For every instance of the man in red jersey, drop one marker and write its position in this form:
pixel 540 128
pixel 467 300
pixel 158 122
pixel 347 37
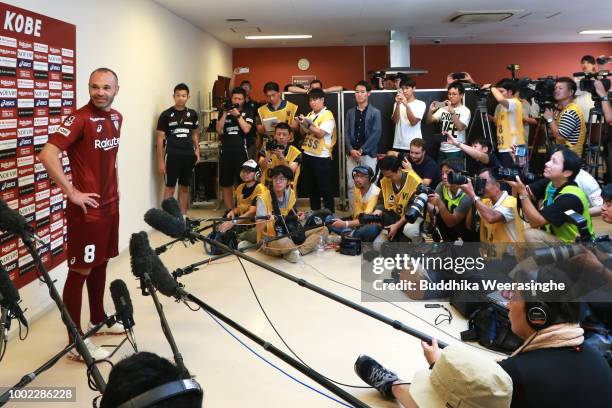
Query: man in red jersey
pixel 90 138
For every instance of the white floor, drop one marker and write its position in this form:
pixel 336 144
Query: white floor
pixel 327 335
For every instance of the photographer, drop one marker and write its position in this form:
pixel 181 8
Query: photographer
pixel 276 111
pixel 560 194
pixel 398 187
pixel 479 151
pixel 566 125
pixel 498 211
pixel 407 114
pixel 319 130
pixel 421 163
pixel 246 194
pixel 279 201
pixel 365 200
pixel 454 118
pixel 583 98
pixel 509 119
pixel 362 132
pixel 606 106
pixel 279 151
pixel 233 126
pixel 450 207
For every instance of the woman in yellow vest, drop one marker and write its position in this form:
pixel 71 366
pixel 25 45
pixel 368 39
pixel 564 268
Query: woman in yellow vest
pixel 279 203
pixel 319 130
pixel 282 153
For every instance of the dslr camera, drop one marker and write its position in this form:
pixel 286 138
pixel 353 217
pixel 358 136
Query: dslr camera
pixel 228 105
pixel 509 174
pixel 459 179
pixel 272 145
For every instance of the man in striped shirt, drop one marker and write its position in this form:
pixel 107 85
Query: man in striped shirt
pixel 566 125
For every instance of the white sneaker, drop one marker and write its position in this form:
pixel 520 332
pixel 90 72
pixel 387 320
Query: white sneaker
pixel 97 353
pixel 115 329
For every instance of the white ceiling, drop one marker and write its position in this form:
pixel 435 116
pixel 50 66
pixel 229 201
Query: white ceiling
pixel 366 22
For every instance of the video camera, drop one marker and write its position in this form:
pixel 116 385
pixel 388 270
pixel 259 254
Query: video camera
pixel 542 90
pixel 459 179
pixel 587 83
pixel 479 92
pixel 228 105
pixel 509 174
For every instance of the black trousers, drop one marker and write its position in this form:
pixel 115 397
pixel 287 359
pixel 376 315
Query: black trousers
pixel 318 174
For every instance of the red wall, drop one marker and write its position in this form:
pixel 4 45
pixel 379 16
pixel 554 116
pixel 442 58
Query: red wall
pixel 344 65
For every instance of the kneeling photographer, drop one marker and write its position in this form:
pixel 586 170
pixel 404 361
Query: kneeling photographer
pixel 400 207
pixel 283 234
pixel 364 204
pixel 559 193
pixel 450 206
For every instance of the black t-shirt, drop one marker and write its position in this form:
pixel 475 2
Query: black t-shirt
pixel 555 212
pixel 428 169
pixel 253 106
pixel 177 125
pixel 558 378
pixel 233 137
pixel 493 163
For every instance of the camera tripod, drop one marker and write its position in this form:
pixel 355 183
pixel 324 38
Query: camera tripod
pixel 592 146
pixel 487 134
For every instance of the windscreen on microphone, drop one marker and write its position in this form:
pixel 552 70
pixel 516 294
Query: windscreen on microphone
pixel 123 303
pixel 165 223
pixel 11 221
pixel 9 296
pixel 161 278
pixel 171 206
pixel 140 250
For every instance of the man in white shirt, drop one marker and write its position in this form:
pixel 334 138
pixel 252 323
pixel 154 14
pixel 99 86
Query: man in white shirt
pixel 592 191
pixel 454 119
pixel 407 114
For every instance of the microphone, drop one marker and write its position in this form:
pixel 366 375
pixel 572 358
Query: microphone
pixel 123 304
pixel 163 281
pixel 167 224
pixel 171 206
pixel 9 296
pixel 13 222
pixel 140 250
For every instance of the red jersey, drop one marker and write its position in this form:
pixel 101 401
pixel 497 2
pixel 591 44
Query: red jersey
pixel 90 137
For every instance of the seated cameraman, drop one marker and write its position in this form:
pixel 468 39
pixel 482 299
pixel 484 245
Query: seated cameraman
pixel 450 207
pixel 364 202
pixel 279 151
pixel 560 194
pixel 279 201
pixel 509 119
pixel 454 118
pixel 397 187
pixel 142 372
pixel 246 195
pixel 566 124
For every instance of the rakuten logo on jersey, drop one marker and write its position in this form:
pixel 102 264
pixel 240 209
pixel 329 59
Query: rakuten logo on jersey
pixel 106 144
pixel 41 84
pixel 7 83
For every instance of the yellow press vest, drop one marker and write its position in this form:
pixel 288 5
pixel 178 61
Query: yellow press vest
pixel 578 147
pixel 320 147
pixel 505 136
pixel 283 114
pixel 267 200
pixel 365 204
pixel 243 203
pixel 292 154
pixel 397 202
pixel 497 233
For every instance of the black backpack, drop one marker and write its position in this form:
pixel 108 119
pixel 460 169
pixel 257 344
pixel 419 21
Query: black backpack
pixel 490 325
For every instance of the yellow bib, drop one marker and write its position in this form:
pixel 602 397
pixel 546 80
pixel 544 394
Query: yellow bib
pixel 292 154
pixel 365 204
pixel 243 203
pixel 397 202
pixel 320 147
pixel 286 114
pixel 505 136
pixel 579 146
pixel 267 200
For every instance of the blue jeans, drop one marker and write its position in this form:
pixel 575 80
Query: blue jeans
pixel 339 231
pixel 367 233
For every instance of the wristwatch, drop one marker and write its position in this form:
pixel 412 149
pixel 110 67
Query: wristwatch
pixel 523 196
pixel 605 98
pixel 476 198
pixel 549 121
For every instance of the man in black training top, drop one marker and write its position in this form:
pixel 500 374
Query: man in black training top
pixel 177 131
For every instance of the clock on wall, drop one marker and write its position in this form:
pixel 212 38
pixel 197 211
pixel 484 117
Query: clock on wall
pixel 303 64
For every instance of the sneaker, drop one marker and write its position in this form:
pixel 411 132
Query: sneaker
pixel 97 353
pixel 115 329
pixel 293 256
pixel 244 245
pixel 375 375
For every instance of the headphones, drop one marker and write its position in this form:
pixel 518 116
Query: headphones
pixel 163 392
pixel 360 169
pixel 539 316
pixel 256 169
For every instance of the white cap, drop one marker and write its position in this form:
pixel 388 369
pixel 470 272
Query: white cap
pixel 251 165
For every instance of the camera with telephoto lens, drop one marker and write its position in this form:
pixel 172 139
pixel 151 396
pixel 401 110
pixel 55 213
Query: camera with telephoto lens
pixel 542 90
pixel 272 145
pixel 459 179
pixel 587 82
pixel 385 219
pixel 417 208
pixel 509 174
pixel 228 105
pixel 422 188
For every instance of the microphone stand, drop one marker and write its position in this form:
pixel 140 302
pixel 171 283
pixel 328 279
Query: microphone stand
pixel 99 382
pixel 178 358
pixel 5 325
pixel 302 282
pixel 28 378
pixel 194 266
